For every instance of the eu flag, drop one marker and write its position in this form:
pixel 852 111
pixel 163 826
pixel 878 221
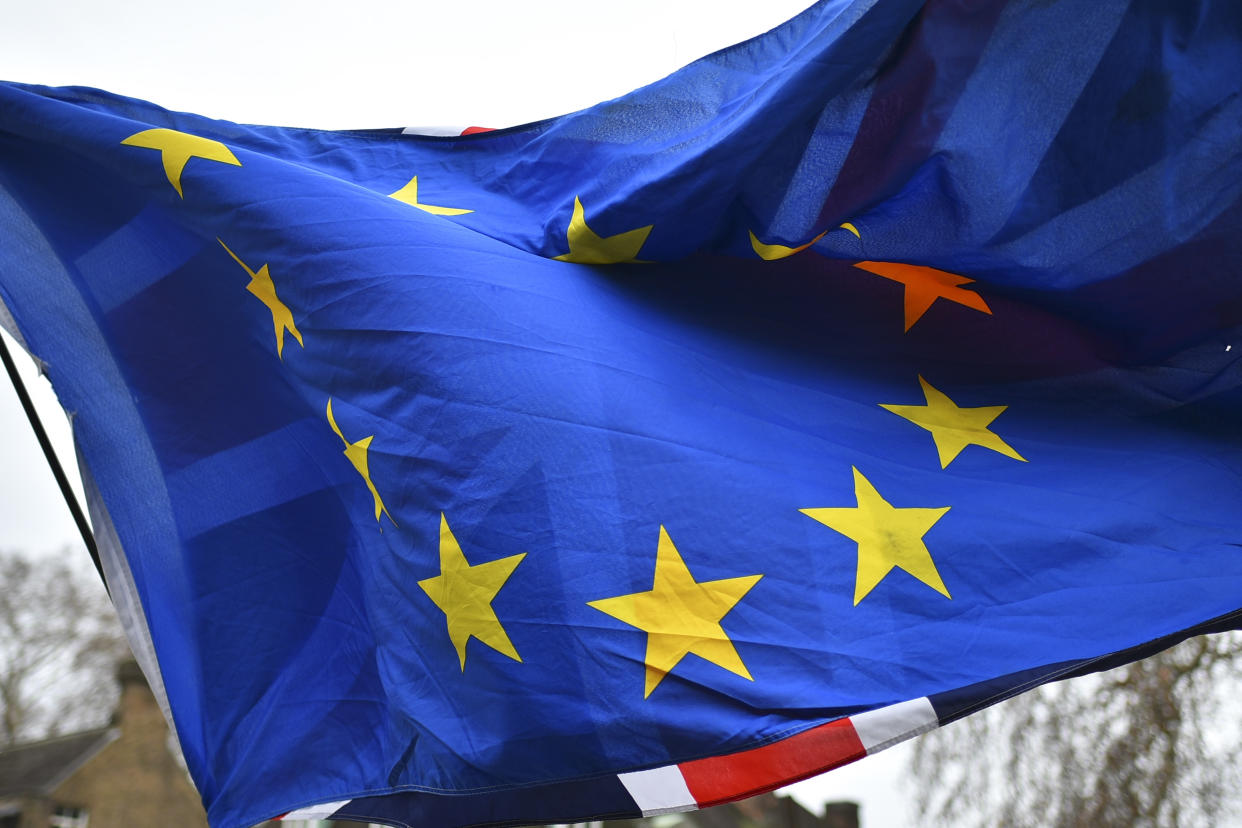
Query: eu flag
pixel 844 382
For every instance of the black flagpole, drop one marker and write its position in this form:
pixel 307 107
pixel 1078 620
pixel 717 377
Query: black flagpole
pixel 61 480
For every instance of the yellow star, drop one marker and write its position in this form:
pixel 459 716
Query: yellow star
pixel 585 247
pixel 263 289
pixel 465 593
pixel 409 194
pixel 887 537
pixel 924 285
pixel 177 148
pixel 772 252
pixel 357 454
pixel 953 428
pixel 681 615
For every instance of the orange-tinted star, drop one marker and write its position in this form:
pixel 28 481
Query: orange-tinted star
pixel 924 285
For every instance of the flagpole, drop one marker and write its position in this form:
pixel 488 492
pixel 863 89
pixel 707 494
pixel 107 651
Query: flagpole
pixel 79 517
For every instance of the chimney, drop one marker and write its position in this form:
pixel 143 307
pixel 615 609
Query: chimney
pixel 840 815
pixel 137 704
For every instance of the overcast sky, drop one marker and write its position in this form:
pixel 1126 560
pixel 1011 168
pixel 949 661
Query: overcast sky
pixel 364 64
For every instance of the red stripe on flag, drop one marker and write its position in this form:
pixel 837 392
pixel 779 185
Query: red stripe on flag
pixel 474 130
pixel 718 779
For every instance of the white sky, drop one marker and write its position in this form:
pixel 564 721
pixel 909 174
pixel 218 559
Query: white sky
pixel 364 64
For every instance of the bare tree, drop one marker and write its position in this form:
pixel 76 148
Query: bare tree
pixel 1153 743
pixel 59 645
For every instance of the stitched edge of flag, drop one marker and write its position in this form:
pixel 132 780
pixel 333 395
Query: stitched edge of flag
pixel 719 779
pixel 714 780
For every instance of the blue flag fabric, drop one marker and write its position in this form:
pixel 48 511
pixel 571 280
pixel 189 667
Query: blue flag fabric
pixel 844 382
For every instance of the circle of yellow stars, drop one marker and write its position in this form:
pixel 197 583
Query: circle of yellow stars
pixel 679 615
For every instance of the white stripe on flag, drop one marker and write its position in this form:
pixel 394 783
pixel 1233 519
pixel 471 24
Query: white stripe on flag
pixel 433 130
pixel 323 811
pixel 659 790
pixel 879 729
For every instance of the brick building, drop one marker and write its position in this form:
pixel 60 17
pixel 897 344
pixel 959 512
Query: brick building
pixel 121 776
